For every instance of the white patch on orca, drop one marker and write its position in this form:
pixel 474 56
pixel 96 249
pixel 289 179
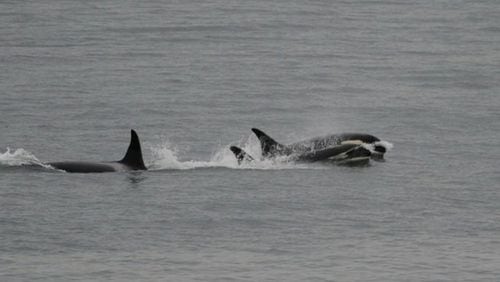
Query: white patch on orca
pixel 353 142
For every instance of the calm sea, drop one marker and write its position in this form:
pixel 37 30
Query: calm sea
pixel 192 78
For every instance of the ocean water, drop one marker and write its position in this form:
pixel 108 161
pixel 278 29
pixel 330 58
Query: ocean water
pixel 192 78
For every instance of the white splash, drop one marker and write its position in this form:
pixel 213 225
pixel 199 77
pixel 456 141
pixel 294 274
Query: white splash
pixel 165 157
pixel 19 157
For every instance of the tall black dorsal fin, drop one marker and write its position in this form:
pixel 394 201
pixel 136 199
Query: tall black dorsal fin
pixel 133 157
pixel 240 154
pixel 268 145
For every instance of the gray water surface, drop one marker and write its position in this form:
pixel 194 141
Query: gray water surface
pixel 192 77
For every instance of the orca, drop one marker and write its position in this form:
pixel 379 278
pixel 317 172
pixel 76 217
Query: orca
pixel 270 147
pixel 345 148
pixel 131 161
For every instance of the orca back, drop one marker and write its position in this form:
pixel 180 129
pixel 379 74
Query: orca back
pixel 83 167
pixel 324 154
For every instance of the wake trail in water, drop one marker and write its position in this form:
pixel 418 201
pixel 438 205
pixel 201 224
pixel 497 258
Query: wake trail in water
pixel 19 158
pixel 165 157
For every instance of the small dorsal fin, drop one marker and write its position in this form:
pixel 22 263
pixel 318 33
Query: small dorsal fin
pixel 268 145
pixel 133 157
pixel 240 154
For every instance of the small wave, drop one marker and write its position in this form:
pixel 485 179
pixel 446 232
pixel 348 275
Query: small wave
pixel 20 157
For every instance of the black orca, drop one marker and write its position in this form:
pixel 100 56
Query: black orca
pixel 132 161
pixel 270 147
pixel 343 148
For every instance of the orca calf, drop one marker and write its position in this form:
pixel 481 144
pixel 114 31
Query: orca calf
pixel 346 148
pixel 132 161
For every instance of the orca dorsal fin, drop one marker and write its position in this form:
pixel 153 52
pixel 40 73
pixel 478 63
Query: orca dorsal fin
pixel 133 157
pixel 240 154
pixel 268 145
